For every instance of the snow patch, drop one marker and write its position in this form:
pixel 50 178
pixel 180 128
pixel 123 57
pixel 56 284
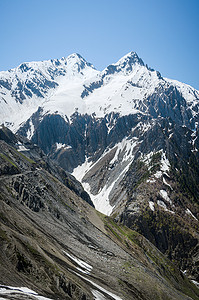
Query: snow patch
pixel 22 148
pixel 151 180
pixel 7 290
pixel 196 283
pixel 127 146
pixel 165 165
pixel 123 156
pixel 84 267
pixel 98 295
pixel 151 205
pixel 80 171
pixel 163 205
pixel 158 174
pixel 166 183
pixel 101 200
pixel 60 146
pixel 190 94
pixel 31 130
pixel 103 290
pixel 165 196
pixel 188 212
pixel 147 159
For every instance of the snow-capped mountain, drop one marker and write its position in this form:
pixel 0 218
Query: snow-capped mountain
pixel 71 84
pixel 128 134
pixel 74 111
pixel 35 84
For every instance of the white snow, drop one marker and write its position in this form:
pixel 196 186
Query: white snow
pixel 165 165
pixel 166 183
pixel 165 196
pixel 67 72
pixel 98 295
pixel 80 171
pixel 190 213
pixel 158 174
pixel 170 135
pixel 8 290
pixel 103 290
pixel 101 200
pixel 151 180
pixel 163 205
pixel 123 156
pixel 120 92
pixel 60 146
pixel 30 131
pixel 22 148
pixel 123 92
pixel 196 283
pixel 127 146
pixel 83 265
pixel 190 94
pixel 151 205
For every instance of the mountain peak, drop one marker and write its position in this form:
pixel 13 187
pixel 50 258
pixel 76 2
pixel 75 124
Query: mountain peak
pixel 77 59
pixel 130 58
pixel 75 56
pixel 125 64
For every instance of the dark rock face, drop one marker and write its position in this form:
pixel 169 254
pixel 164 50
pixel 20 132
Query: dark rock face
pixel 33 199
pixel 7 135
pixel 169 103
pixel 13 161
pixel 85 135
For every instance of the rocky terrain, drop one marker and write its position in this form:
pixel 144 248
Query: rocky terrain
pixel 128 135
pixel 57 245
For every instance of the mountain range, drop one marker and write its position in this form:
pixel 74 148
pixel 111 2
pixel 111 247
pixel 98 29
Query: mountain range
pixel 128 135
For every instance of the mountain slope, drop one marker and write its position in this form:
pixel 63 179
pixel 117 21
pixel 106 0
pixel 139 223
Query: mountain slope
pixel 56 244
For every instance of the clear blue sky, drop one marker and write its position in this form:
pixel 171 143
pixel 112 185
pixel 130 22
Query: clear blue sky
pixel 164 33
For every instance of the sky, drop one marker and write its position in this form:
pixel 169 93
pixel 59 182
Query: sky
pixel 165 34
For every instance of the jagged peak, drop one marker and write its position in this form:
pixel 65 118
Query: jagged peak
pixel 76 58
pixel 125 64
pixel 130 58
